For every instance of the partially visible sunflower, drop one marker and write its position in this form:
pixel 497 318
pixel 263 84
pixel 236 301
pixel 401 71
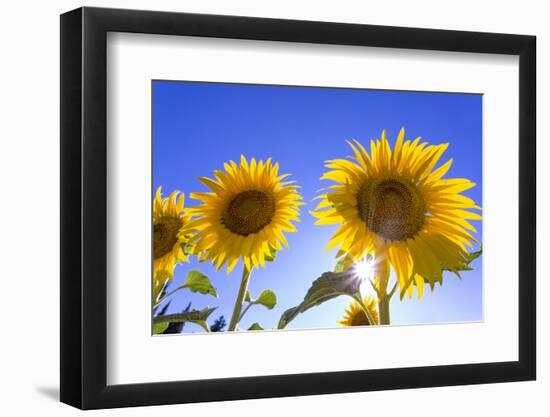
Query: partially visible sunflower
pixel 394 205
pixel 169 219
pixel 245 215
pixel 355 315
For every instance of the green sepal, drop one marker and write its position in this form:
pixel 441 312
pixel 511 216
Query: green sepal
pixel 273 254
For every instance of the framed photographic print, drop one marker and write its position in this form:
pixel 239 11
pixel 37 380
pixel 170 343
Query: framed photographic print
pixel 245 200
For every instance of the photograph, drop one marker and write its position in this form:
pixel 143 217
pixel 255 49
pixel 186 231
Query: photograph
pixel 280 207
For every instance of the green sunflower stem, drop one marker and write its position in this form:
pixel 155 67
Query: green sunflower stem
pixel 367 312
pixel 235 317
pixel 384 309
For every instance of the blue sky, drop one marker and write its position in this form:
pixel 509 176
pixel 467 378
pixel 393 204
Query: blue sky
pixel 199 126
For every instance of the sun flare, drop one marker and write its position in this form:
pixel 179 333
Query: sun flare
pixel 364 269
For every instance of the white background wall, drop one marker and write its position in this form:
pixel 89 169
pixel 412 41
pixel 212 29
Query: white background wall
pixel 29 209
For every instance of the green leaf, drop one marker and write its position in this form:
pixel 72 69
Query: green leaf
pixel 194 316
pixel 330 285
pixel 255 326
pixel 267 298
pixel 159 328
pixel 198 282
pixel 247 297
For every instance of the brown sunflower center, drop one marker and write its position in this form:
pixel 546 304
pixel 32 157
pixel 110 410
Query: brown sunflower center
pixel 249 212
pixel 165 235
pixel 360 319
pixel 392 208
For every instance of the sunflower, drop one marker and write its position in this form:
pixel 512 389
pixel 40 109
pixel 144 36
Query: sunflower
pixel 245 215
pixel 394 206
pixel 355 315
pixel 169 219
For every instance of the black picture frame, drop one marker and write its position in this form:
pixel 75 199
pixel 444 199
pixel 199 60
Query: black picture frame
pixel 84 207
